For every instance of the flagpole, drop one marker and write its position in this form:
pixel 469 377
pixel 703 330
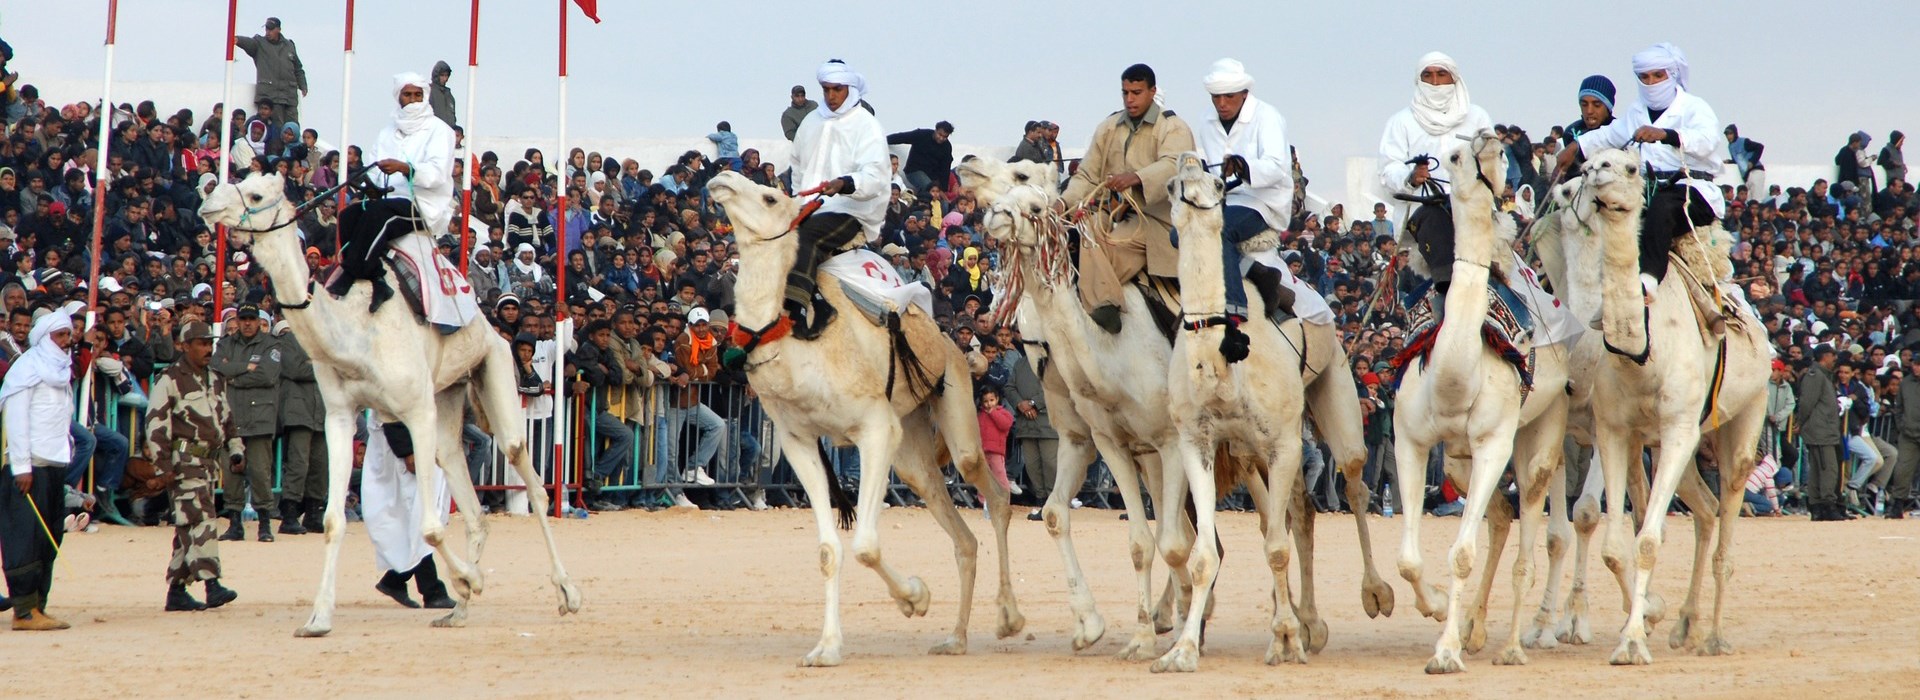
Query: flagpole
pixel 560 277
pixel 101 172
pixel 225 174
pixel 466 184
pixel 346 118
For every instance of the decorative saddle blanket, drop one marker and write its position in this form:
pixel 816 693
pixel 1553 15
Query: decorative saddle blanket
pixel 432 285
pixel 1507 330
pixel 873 286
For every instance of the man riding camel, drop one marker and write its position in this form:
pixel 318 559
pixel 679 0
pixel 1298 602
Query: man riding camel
pixel 1134 152
pixel 1596 107
pixel 1248 139
pixel 841 149
pixel 1676 134
pixel 413 156
pixel 1415 140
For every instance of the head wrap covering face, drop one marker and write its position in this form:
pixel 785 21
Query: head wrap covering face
pixel 1440 108
pixel 44 362
pixel 1228 76
pixel 1598 87
pixel 1661 56
pixel 531 269
pixel 408 119
pixel 836 72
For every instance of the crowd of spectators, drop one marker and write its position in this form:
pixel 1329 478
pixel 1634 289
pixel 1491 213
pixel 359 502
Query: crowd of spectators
pixel 651 270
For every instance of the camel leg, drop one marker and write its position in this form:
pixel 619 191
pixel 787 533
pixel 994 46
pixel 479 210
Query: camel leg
pixel 1410 466
pixel 1536 470
pixel 1491 449
pixel 1335 407
pixel 1735 442
pixel 914 463
pixel 878 441
pixel 1539 634
pixel 1179 586
pixel 1289 644
pixel 1140 545
pixel 1300 516
pixel 339 474
pixel 428 429
pixel 500 402
pixel 802 452
pixel 453 466
pixel 1195 452
pixel 1500 517
pixel 958 423
pixel 1072 457
pixel 1694 492
pixel 1618 455
pixel 1575 626
pixel 1678 438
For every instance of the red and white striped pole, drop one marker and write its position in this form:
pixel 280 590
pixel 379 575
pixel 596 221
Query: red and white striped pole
pixel 560 279
pixel 466 123
pixel 346 118
pixel 225 172
pixel 101 171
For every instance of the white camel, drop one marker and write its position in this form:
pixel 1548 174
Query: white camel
pixel 403 370
pixel 863 384
pixel 1253 408
pixel 1466 395
pixel 1649 380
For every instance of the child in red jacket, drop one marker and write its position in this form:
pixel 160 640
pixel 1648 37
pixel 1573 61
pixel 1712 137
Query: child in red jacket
pixel 995 421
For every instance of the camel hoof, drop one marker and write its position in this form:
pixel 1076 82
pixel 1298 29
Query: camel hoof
pixel 1088 631
pixel 1511 656
pixel 312 629
pixel 1656 610
pixel 1140 648
pixel 915 604
pixel 821 657
pixel 954 646
pixel 1631 652
pixel 1445 661
pixel 1476 634
pixel 1681 627
pixel 1316 634
pixel 1574 628
pixel 1184 657
pixel 1437 612
pixel 1715 646
pixel 453 619
pixel 1164 622
pixel 1377 599
pixel 1011 623
pixel 1287 647
pixel 1539 637
pixel 569 598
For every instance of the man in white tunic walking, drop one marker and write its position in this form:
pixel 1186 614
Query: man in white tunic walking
pixel 390 505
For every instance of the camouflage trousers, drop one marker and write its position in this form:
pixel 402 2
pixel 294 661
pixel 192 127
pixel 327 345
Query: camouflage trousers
pixel 196 554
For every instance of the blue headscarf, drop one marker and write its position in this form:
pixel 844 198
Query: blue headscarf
pixel 1598 87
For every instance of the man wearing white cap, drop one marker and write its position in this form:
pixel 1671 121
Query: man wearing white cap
pixel 1676 134
pixel 413 156
pixel 1415 139
pixel 1248 139
pixel 841 149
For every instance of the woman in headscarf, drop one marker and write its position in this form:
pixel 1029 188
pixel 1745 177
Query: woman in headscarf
pixel 1676 134
pixel 969 278
pixel 1411 147
pixel 255 137
pixel 36 404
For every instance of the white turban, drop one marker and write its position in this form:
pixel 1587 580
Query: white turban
pixel 410 118
pixel 1661 56
pixel 1228 77
pixel 1440 108
pixel 836 72
pixel 44 362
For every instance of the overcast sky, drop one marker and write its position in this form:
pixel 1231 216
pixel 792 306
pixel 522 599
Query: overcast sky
pixel 1796 76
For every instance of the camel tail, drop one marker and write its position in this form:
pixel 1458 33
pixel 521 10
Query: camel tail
pixel 837 492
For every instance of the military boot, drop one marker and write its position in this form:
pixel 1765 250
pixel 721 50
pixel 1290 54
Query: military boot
pixel 179 600
pixel 266 528
pixel 218 595
pixel 290 522
pixel 236 531
pixel 315 520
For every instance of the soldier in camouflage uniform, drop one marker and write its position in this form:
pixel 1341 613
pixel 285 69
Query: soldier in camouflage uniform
pixel 188 428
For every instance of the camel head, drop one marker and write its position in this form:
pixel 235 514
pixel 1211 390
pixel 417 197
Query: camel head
pixel 1013 214
pixel 1478 170
pixel 1193 187
pixel 759 214
pixel 989 180
pixel 1612 179
pixel 254 205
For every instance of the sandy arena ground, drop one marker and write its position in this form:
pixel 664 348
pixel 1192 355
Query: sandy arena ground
pixel 689 604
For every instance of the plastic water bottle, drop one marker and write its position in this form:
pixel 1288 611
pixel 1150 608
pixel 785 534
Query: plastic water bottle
pixel 1386 504
pixel 248 514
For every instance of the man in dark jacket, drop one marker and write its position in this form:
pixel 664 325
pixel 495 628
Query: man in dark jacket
pixel 250 361
pixel 931 157
pixel 439 96
pixel 303 420
pixel 279 76
pixel 599 373
pixel 1900 485
pixel 1818 415
pixel 1033 428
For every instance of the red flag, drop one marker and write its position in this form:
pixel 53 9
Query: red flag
pixel 591 8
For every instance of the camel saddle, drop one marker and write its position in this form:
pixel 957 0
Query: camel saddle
pixel 1507 330
pixel 873 286
pixel 447 304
